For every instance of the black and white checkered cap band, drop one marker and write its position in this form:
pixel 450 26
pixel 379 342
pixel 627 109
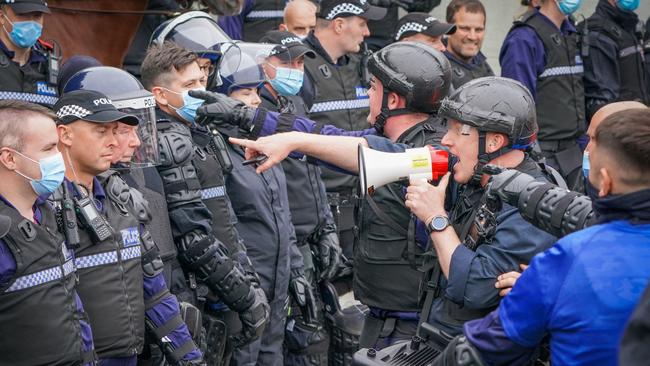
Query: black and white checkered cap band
pixel 343 9
pixel 410 27
pixel 73 110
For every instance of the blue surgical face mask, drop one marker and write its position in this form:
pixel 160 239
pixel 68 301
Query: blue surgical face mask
pixel 568 7
pixel 190 104
pixel 24 34
pixel 287 81
pixel 627 5
pixel 52 173
pixel 585 164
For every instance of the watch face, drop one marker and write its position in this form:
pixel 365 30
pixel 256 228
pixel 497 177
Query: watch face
pixel 439 223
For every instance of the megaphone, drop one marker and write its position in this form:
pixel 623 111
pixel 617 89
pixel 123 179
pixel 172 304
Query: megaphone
pixel 378 168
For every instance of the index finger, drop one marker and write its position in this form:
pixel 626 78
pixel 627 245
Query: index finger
pixel 242 142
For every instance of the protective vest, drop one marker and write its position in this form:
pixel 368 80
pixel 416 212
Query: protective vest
pixel 631 66
pixel 111 277
pixel 560 91
pixel 210 158
pixel 149 183
pixel 28 82
pixel 304 184
pixel 40 323
pixel 474 220
pixel 387 257
pixel 462 72
pixel 340 100
pixel 266 15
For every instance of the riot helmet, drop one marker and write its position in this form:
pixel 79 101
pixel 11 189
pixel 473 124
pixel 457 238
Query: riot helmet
pixel 198 32
pixel 241 65
pixel 128 95
pixel 413 70
pixel 494 104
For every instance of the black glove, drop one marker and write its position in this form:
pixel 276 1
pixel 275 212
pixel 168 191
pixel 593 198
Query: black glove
pixel 303 295
pixel 220 110
pixel 327 254
pixel 253 319
pixel 508 185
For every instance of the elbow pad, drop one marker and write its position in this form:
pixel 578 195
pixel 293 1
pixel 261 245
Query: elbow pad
pixel 209 260
pixel 555 210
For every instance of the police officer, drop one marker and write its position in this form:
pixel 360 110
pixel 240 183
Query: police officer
pixel 422 27
pixel 541 51
pixel 120 271
pixel 389 258
pixel 264 219
pixel 533 310
pixel 193 165
pixel 464 45
pixel 341 97
pixel 310 212
pixel 135 157
pixel 28 66
pixel 614 65
pixel 36 264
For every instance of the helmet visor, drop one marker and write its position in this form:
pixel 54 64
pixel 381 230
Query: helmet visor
pixel 138 148
pixel 241 63
pixel 201 35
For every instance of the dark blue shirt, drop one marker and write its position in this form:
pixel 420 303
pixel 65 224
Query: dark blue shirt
pixel 234 25
pixel 522 56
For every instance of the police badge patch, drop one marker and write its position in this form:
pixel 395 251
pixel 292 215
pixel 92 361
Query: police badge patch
pixel 130 237
pixel 325 70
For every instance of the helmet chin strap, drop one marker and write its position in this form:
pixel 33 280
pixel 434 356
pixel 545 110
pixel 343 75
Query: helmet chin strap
pixel 382 118
pixel 484 158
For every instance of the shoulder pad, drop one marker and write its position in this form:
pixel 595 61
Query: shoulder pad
pixel 117 189
pixel 524 18
pixel 140 205
pixel 5 225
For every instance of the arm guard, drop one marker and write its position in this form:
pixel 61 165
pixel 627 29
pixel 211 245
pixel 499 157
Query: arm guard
pixel 555 210
pixel 208 259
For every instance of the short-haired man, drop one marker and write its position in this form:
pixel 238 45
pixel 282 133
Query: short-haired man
pixel 299 18
pixel 26 73
pixel 541 51
pixel 310 212
pixel 193 166
pixel 464 45
pixel 119 270
pixel 422 27
pixel 36 266
pixel 583 267
pixel 341 97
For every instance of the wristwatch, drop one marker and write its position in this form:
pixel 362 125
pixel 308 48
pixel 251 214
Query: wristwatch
pixel 438 223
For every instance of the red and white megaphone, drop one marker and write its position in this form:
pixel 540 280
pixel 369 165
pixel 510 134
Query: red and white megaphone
pixel 379 168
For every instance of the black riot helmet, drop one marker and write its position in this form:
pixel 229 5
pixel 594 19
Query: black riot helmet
pixel 494 104
pixel 413 70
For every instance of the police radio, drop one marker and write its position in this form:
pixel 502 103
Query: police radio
pixel 69 219
pixel 92 220
pixel 221 152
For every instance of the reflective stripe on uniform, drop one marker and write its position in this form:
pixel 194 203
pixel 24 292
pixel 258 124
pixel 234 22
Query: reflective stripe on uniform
pixel 264 14
pixel 627 51
pixel 99 259
pixel 337 105
pixel 29 97
pixel 41 277
pixel 562 70
pixel 213 192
